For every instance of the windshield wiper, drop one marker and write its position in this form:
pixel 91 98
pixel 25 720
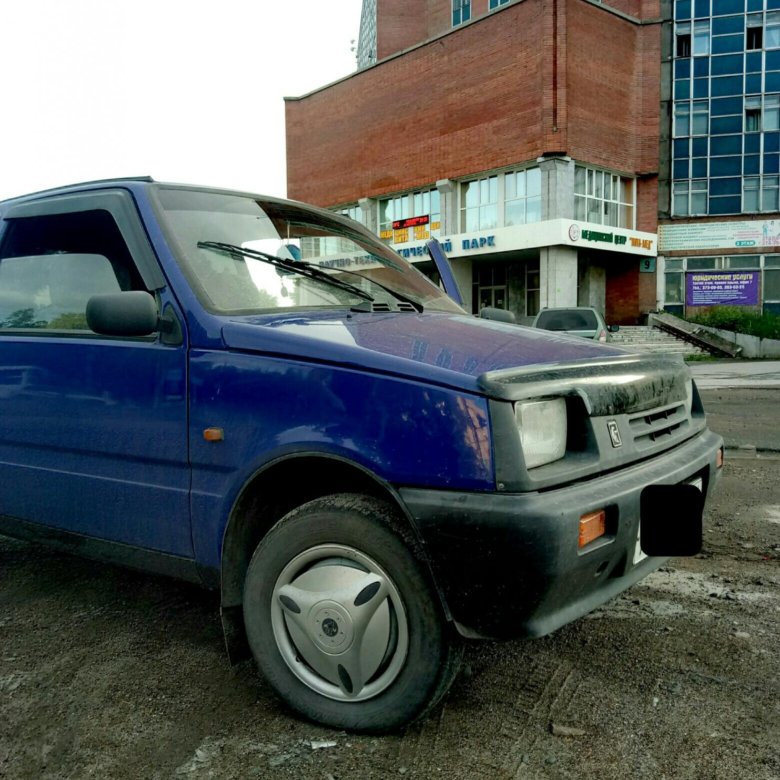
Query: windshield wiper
pixel 296 266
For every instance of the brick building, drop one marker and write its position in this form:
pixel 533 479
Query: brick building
pixel 524 134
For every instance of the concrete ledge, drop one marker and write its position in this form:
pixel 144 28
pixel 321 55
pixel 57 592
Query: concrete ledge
pixel 696 334
pixel 750 346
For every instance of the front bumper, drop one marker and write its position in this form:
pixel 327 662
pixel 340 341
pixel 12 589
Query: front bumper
pixel 509 565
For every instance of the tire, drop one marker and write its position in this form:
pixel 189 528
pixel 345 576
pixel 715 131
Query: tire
pixel 343 619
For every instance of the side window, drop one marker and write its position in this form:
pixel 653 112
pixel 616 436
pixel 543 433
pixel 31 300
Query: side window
pixel 51 266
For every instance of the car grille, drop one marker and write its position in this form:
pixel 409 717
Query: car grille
pixel 656 425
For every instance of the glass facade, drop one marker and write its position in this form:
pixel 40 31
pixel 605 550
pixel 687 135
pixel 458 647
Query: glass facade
pixel 367 39
pixel 726 114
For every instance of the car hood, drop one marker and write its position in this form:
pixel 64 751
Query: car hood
pixel 451 349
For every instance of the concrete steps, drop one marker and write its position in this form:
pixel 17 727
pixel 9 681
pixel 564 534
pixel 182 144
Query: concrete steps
pixel 644 338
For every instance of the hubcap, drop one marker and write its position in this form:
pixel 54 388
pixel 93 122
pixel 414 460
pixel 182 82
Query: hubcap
pixel 339 623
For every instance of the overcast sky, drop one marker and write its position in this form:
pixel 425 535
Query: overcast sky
pixel 182 90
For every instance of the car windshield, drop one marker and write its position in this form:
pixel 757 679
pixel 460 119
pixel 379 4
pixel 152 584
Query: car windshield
pixel 246 254
pixel 567 319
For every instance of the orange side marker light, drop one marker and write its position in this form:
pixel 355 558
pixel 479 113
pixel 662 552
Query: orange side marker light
pixel 592 526
pixel 214 434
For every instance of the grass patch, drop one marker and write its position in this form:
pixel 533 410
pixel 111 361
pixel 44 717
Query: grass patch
pixel 734 318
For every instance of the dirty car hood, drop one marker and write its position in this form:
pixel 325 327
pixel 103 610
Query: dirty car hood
pixel 450 348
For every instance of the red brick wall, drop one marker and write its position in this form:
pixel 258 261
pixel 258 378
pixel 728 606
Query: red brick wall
pixel 622 292
pixel 464 103
pixel 402 24
pixel 639 9
pixel 613 97
pixel 399 25
pixel 405 23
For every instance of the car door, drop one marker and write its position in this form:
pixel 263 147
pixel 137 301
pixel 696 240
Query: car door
pixel 94 429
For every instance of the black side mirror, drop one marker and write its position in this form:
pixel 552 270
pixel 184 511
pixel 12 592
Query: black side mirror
pixel 131 313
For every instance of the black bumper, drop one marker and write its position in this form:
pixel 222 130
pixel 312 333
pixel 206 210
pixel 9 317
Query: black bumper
pixel 509 565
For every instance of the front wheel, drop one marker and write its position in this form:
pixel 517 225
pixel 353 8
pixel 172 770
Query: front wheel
pixel 343 619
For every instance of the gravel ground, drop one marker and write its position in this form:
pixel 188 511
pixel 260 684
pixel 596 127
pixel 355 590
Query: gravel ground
pixel 113 674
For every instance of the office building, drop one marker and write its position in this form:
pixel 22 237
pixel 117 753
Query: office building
pixel 720 183
pixel 523 134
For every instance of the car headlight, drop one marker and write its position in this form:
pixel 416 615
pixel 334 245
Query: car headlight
pixel 542 428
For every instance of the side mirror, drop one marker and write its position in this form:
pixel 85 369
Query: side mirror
pixel 613 328
pixel 131 313
pixel 500 315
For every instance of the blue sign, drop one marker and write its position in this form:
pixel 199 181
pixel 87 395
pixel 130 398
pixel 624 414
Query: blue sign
pixel 727 288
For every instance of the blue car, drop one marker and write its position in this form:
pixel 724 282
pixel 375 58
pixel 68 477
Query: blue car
pixel 261 397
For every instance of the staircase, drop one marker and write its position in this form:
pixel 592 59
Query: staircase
pixel 644 338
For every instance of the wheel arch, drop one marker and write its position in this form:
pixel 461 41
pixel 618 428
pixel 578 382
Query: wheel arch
pixel 264 500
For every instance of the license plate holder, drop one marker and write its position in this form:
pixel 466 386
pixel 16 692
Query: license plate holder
pixel 670 520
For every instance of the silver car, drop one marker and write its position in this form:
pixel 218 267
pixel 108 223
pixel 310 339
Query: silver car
pixel 576 320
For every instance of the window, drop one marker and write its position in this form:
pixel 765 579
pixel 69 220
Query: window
pixel 772 285
pixel 497 3
pixel 771 112
pixel 603 198
pixel 755 33
pixel 523 197
pixel 762 116
pixel 490 287
pixel 689 197
pixel 752 115
pixel 424 203
pixel 479 209
pixel 461 11
pixel 52 265
pixel 701 38
pixel 772 29
pixel 682 119
pixel 674 288
pixel 751 200
pixel 700 117
pixel 532 288
pixel 353 212
pixel 683 47
pixel 769 193
pixel 51 291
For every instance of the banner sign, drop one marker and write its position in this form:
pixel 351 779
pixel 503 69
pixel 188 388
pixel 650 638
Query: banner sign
pixel 719 235
pixel 726 288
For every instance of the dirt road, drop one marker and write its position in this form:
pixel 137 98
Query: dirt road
pixel 111 674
